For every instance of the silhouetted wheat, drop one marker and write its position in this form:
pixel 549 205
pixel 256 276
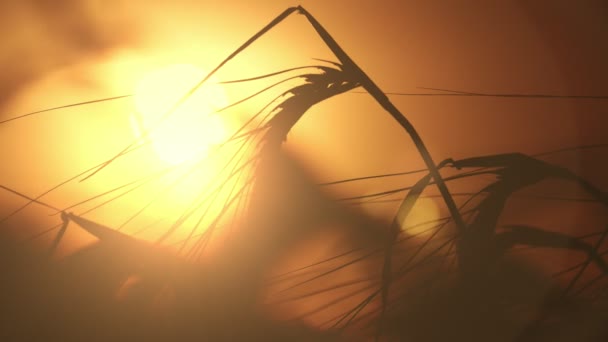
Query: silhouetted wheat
pixel 452 279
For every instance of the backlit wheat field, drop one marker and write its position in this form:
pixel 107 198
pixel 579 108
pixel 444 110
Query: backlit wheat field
pixel 328 171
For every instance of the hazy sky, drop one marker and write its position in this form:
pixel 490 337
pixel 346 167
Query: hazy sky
pixel 58 54
pixel 553 47
pixel 55 53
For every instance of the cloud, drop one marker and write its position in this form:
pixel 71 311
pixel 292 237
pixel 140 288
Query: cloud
pixel 44 35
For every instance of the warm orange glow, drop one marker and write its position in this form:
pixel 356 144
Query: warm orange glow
pixel 189 130
pixel 425 210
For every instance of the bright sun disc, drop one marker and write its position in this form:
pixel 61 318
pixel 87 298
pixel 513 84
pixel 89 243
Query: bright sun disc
pixel 193 128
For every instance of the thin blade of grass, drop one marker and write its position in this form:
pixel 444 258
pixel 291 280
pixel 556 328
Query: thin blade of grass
pixel 66 106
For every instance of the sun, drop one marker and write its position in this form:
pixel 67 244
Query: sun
pixel 193 128
pixel 185 137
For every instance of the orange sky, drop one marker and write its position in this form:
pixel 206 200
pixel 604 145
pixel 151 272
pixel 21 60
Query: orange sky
pixel 504 46
pixel 81 50
pixel 95 49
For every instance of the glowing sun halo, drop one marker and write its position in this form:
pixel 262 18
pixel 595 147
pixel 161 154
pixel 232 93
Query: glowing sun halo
pixel 193 127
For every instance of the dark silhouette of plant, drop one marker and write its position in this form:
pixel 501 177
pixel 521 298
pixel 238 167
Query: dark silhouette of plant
pixel 486 296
